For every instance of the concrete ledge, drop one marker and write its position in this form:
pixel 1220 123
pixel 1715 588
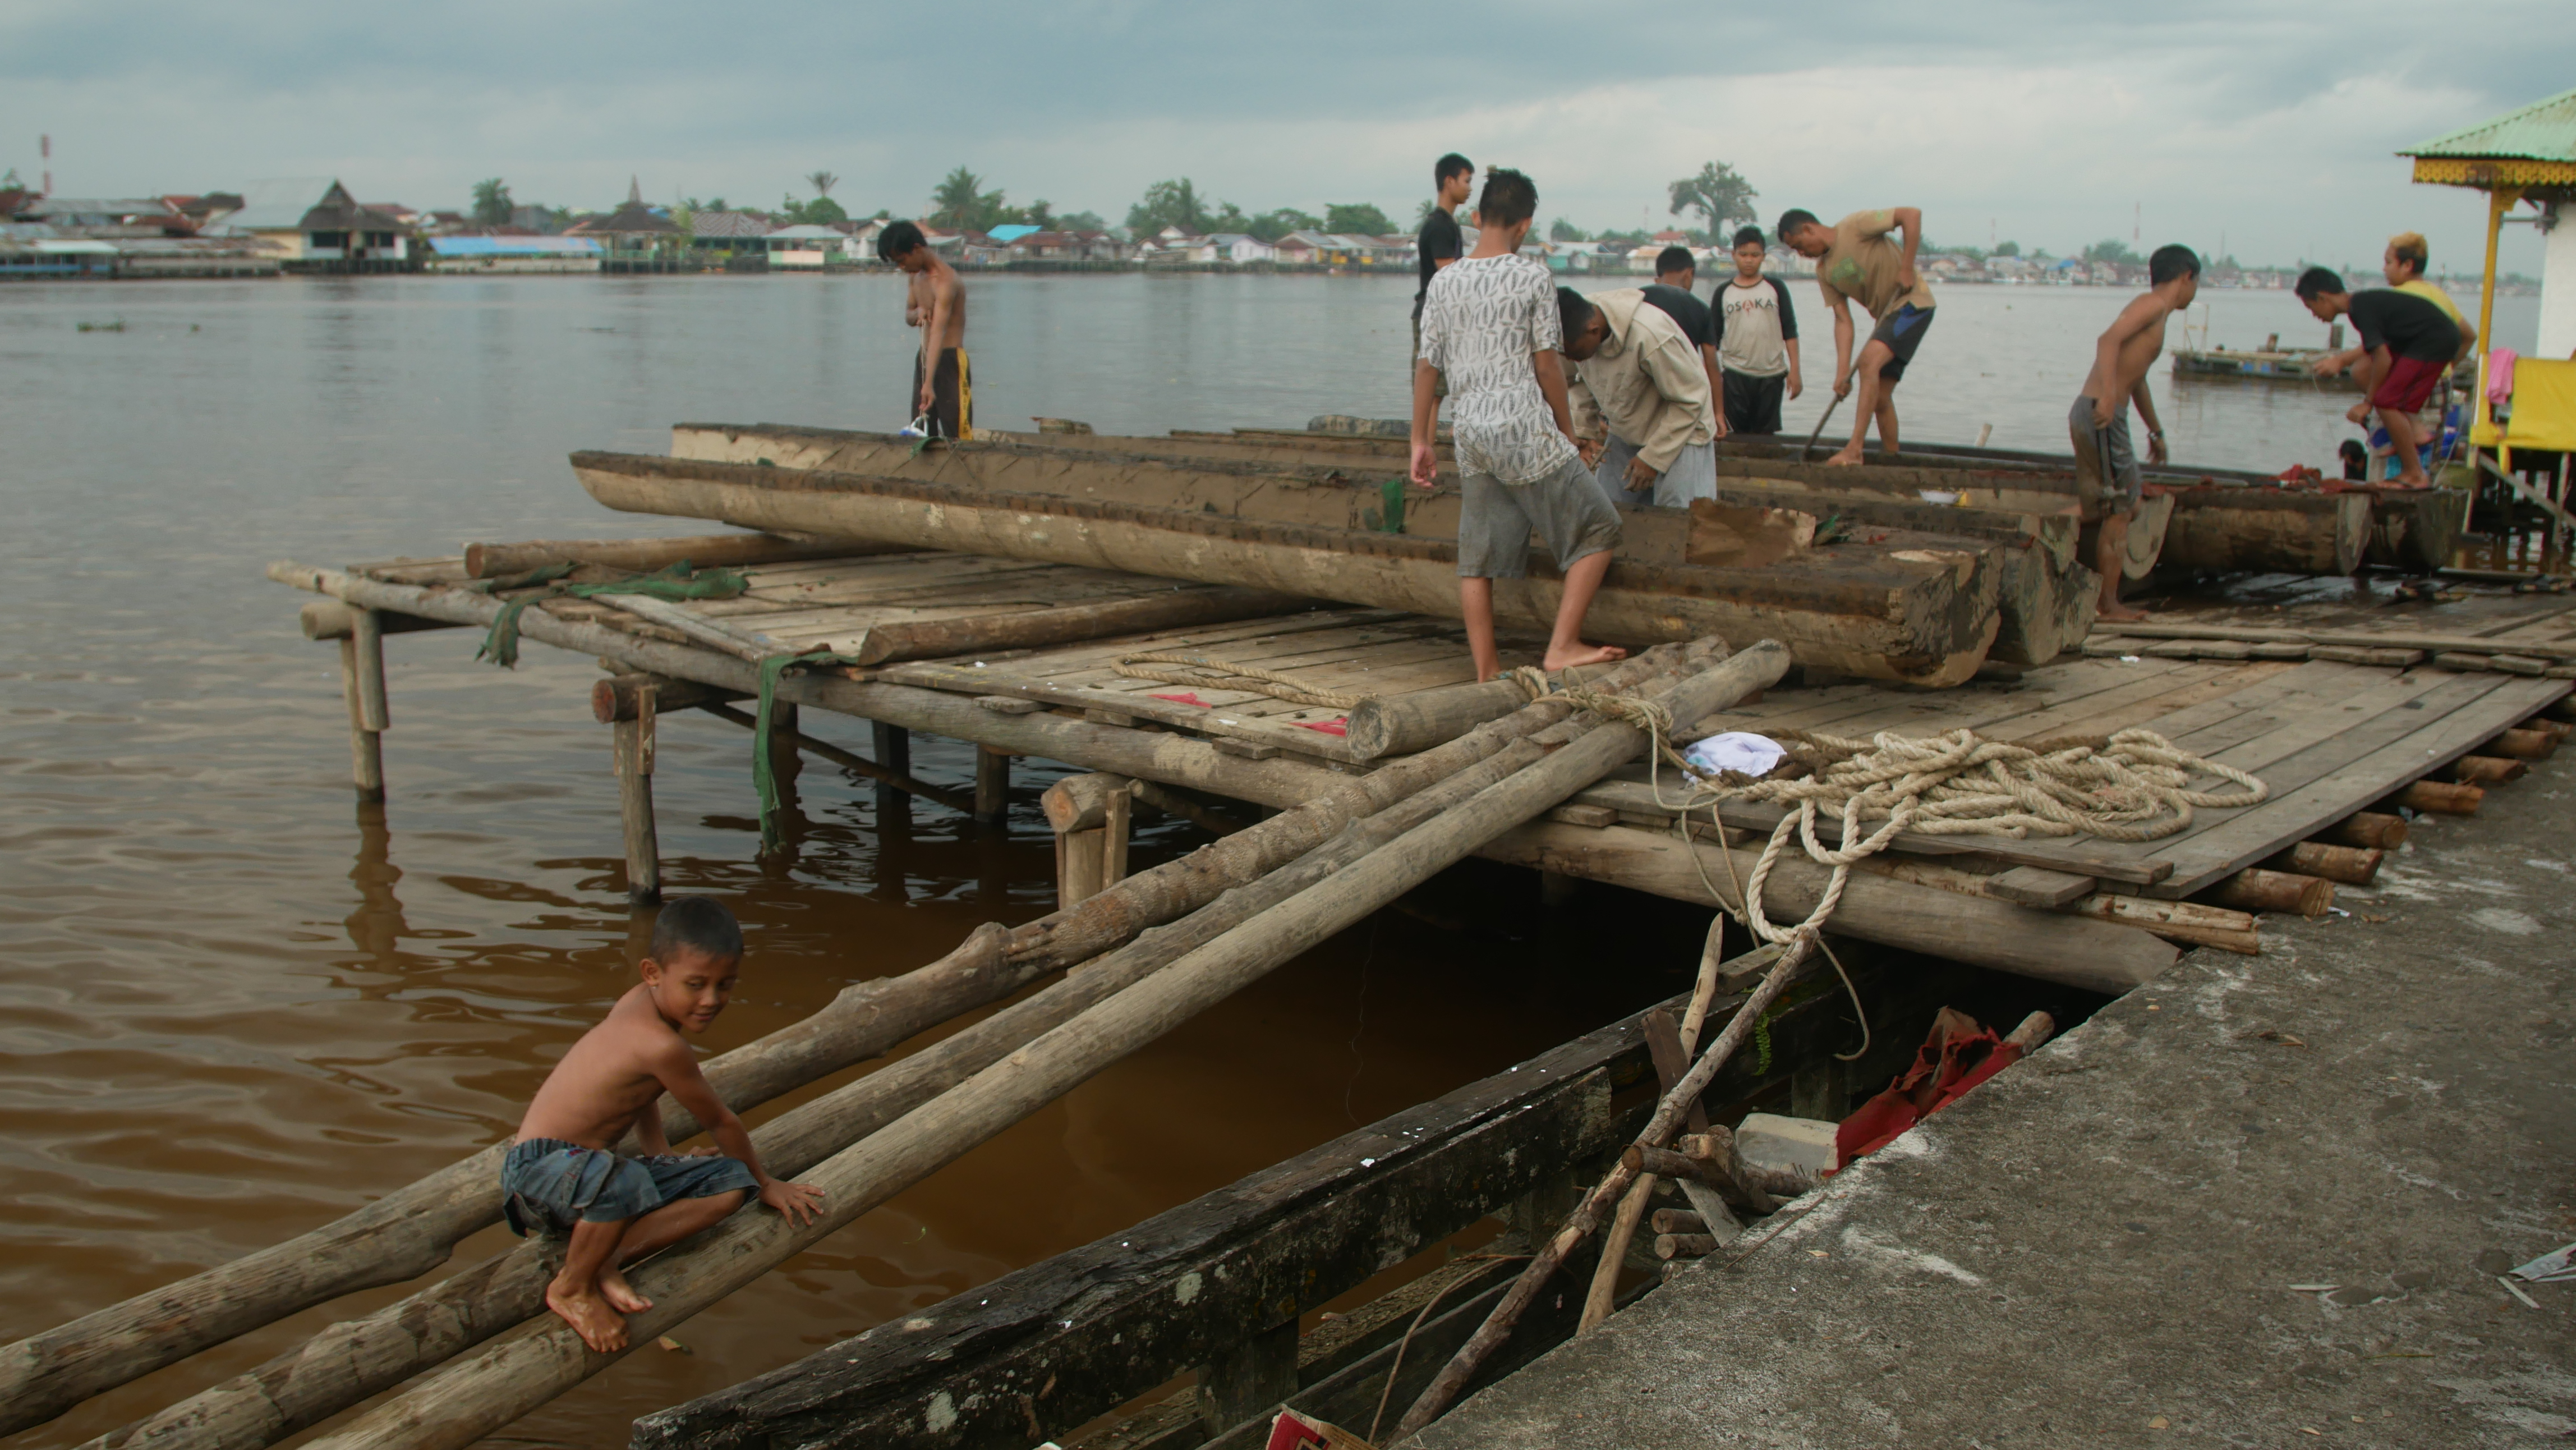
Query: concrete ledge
pixel 2097 1247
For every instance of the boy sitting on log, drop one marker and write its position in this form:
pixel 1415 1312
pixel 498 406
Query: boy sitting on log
pixel 563 1172
pixel 1490 327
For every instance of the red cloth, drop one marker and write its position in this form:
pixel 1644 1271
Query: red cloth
pixel 2409 383
pixel 1338 725
pixel 1189 699
pixel 1957 1056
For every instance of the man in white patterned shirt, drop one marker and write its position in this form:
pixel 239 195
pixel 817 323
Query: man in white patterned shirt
pixel 1490 328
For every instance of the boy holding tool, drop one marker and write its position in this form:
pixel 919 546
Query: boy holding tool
pixel 1855 262
pixel 943 378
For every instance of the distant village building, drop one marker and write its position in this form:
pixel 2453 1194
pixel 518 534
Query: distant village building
pixel 523 252
pixel 809 245
pixel 635 237
pixel 314 225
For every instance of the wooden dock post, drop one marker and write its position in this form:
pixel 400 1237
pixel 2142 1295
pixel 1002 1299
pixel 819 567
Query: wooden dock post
pixel 1090 814
pixel 892 746
pixel 992 784
pixel 631 743
pixel 786 762
pixel 362 679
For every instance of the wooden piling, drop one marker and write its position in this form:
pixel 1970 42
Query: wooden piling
pixel 631 746
pixel 366 747
pixel 2525 744
pixel 2441 798
pixel 2369 830
pixel 2254 889
pixel 2351 865
pixel 1090 814
pixel 2487 770
pixel 992 784
pixel 892 746
pixel 786 762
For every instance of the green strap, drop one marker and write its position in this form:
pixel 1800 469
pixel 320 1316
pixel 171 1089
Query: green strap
pixel 763 778
pixel 673 582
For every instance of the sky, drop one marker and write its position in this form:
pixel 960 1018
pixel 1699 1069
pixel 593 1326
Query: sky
pixel 2267 128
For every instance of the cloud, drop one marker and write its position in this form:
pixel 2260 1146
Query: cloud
pixel 2270 123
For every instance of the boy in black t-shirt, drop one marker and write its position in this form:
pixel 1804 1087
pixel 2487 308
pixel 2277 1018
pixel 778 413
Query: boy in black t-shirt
pixel 1440 242
pixel 1675 271
pixel 2407 344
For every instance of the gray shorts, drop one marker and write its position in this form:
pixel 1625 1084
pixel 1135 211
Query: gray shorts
pixel 547 1183
pixel 1693 475
pixel 1495 520
pixel 2103 491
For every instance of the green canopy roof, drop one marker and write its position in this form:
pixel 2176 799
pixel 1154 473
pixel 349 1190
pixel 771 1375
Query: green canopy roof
pixel 2541 131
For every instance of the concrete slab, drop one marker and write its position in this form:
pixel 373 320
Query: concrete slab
pixel 2098 1246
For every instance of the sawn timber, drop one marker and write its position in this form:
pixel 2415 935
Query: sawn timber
pixel 1922 611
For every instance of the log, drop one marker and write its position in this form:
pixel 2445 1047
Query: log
pixel 2187 922
pixel 1384 725
pixel 366 747
pixel 992 785
pixel 2522 745
pixel 1920 610
pixel 2487 770
pixel 2234 528
pixel 330 619
pixel 631 746
pixel 2254 889
pixel 620 697
pixel 474 1397
pixel 643 556
pixel 2367 639
pixel 1176 608
pixel 351 1361
pixel 2033 1033
pixel 2414 529
pixel 2091 954
pixel 1685 1246
pixel 1081 802
pixel 2351 865
pixel 2370 830
pixel 1676 1221
pixel 2441 798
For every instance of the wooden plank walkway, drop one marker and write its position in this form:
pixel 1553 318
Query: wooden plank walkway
pixel 2329 737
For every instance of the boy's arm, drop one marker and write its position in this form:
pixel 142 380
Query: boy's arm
pixel 2139 395
pixel 1716 385
pixel 1426 433
pixel 1842 339
pixel 1551 386
pixel 1795 386
pixel 1909 220
pixel 932 331
pixel 677 1069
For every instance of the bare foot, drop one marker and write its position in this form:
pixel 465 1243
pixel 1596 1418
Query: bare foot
pixel 1583 654
pixel 599 1326
pixel 621 1295
pixel 2410 480
pixel 2119 613
pixel 1849 457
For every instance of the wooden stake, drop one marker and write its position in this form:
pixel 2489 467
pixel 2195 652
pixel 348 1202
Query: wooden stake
pixel 2441 798
pixel 2254 889
pixel 892 746
pixel 2370 830
pixel 366 747
pixel 632 744
pixel 2351 865
pixel 2487 770
pixel 851 761
pixel 2523 745
pixel 992 784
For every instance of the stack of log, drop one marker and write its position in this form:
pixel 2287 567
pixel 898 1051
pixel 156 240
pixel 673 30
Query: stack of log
pixel 2391 649
pixel 1227 914
pixel 1906 607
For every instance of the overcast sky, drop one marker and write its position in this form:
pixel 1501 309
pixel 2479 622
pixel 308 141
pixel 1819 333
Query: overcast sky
pixel 2269 126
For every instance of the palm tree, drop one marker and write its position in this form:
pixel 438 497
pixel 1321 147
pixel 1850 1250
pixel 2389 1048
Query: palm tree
pixel 822 182
pixel 955 199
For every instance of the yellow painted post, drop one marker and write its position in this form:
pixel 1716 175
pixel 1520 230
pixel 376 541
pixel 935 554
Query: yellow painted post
pixel 2499 201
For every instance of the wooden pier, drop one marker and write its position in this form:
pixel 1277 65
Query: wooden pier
pixel 1311 735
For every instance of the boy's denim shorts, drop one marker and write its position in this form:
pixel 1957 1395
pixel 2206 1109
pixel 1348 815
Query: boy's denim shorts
pixel 550 1184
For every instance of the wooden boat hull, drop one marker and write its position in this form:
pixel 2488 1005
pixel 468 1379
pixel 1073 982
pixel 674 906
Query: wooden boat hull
pixel 1918 615
pixel 2267 530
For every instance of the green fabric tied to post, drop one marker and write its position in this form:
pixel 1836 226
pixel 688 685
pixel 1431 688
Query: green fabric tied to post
pixel 1391 493
pixel 763 777
pixel 672 582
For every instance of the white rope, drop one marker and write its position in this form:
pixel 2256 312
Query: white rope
pixel 2131 786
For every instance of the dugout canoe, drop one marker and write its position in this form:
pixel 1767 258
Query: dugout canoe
pixel 2234 527
pixel 1916 609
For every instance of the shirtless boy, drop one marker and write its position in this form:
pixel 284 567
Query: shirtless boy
pixel 1855 262
pixel 943 379
pixel 563 1171
pixel 2106 467
pixel 1490 327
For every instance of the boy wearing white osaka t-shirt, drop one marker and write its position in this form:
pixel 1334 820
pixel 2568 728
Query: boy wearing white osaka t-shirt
pixel 1490 328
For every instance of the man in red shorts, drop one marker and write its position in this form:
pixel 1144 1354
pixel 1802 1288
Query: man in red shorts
pixel 2407 344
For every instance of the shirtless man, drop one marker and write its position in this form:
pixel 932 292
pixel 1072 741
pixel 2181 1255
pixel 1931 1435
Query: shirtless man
pixel 2106 467
pixel 943 379
pixel 563 1172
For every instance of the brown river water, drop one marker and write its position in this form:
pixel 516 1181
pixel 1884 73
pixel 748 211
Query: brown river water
pixel 240 1005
